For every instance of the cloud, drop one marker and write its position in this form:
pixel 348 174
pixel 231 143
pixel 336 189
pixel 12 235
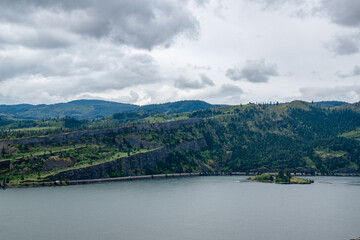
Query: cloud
pixel 227 93
pixel 340 12
pixel 132 98
pixel 140 24
pixel 344 12
pixel 32 76
pixel 230 89
pixel 344 44
pixel 253 71
pixel 339 93
pixel 57 50
pixel 353 73
pixel 185 83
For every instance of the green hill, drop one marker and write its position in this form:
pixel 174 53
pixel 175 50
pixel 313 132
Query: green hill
pixel 176 107
pixel 93 109
pixel 354 107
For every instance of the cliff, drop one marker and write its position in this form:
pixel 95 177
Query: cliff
pixel 128 165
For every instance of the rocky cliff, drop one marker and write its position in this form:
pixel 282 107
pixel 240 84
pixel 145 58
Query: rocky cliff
pixel 128 165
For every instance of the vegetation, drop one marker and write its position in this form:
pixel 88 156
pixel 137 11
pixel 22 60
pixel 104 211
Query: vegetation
pixel 95 109
pixel 297 137
pixel 279 178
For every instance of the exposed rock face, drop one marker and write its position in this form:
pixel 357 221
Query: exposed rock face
pixel 141 161
pixel 56 162
pixel 135 141
pixel 126 164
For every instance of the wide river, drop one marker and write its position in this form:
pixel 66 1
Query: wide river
pixel 214 207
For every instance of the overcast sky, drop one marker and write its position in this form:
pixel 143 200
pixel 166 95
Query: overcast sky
pixel 154 51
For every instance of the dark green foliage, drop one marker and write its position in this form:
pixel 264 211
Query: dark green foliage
pixel 176 107
pixel 72 123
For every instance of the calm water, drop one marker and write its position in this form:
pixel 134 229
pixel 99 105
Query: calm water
pixel 216 207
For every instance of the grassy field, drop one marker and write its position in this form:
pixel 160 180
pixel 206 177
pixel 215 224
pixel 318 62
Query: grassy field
pixel 327 153
pixel 40 152
pixel 353 134
pixel 34 129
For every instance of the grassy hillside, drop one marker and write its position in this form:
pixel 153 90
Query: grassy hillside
pixel 354 107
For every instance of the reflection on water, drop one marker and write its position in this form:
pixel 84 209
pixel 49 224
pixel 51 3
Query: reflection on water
pixel 214 207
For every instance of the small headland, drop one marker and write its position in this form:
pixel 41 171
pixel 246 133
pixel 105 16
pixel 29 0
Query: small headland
pixel 280 178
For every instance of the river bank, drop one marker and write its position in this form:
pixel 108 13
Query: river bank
pixel 116 179
pixel 155 176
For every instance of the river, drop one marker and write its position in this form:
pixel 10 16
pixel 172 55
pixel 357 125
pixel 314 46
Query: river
pixel 211 207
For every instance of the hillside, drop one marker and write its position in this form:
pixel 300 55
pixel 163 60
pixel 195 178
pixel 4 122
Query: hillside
pixel 295 136
pixel 354 107
pixel 93 109
pixel 330 104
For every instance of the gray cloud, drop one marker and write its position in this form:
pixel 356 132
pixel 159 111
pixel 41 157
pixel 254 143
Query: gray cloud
pixel 344 44
pixel 64 76
pixel 132 98
pixel 141 24
pixel 341 12
pixel 227 93
pixel 230 89
pixel 353 73
pixel 54 50
pixel 344 12
pixel 253 71
pixel 185 83
pixel 340 93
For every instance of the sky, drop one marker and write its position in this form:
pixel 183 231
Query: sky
pixel 156 51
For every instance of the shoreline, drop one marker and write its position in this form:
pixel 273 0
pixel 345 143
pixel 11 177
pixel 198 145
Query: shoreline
pixel 116 179
pixel 131 178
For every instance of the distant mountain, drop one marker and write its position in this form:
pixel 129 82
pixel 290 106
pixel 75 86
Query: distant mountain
pixel 330 104
pixel 92 109
pixel 81 109
pixel 174 107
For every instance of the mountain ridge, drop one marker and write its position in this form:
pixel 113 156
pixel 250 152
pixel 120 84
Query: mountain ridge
pixel 94 109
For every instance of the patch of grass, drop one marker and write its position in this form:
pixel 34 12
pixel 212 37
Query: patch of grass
pixel 353 134
pixel 327 153
pixel 39 152
pixel 34 129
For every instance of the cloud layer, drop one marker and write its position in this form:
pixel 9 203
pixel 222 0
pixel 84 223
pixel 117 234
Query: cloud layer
pixel 52 24
pixel 221 51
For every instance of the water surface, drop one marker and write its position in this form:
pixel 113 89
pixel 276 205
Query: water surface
pixel 217 207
